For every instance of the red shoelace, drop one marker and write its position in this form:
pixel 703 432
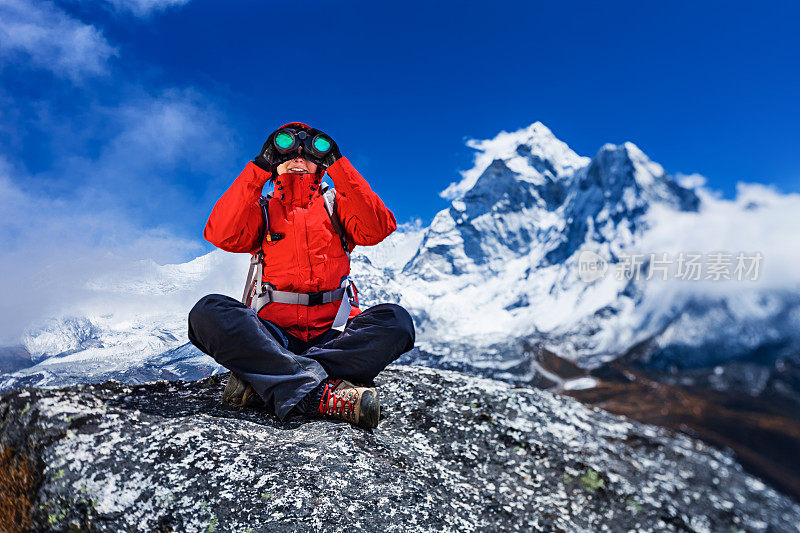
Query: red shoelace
pixel 341 403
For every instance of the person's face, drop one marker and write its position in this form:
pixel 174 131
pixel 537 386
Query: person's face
pixel 298 165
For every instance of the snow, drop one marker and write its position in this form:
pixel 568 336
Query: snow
pixel 579 384
pixel 537 138
pixel 398 248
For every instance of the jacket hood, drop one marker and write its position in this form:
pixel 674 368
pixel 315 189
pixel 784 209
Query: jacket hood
pixel 295 125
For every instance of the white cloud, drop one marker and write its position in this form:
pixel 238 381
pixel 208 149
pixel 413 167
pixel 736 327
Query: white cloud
pixel 50 250
pixel 759 220
pixel 176 127
pixel 53 245
pixel 47 37
pixel 143 8
pixel 133 156
pixel 691 181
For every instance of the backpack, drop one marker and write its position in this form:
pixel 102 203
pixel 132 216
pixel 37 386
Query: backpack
pixel 255 273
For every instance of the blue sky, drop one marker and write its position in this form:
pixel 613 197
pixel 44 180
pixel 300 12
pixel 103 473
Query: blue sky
pixel 122 121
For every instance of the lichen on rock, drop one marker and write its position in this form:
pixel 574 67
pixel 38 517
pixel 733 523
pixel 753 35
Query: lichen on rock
pixel 452 453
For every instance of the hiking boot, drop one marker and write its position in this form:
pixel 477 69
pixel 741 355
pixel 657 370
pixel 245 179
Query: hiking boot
pixel 240 393
pixel 358 405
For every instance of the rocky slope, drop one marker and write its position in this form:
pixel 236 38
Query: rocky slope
pixel 14 358
pixel 452 453
pixel 762 431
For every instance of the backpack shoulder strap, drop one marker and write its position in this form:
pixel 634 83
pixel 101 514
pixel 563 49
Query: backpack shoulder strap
pixel 329 195
pixel 264 229
pixel 255 273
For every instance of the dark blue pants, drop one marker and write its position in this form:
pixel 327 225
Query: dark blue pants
pixel 282 368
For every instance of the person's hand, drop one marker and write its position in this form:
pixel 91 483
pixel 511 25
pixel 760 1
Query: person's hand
pixel 266 158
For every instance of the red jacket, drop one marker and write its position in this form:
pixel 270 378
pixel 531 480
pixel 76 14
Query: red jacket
pixel 310 257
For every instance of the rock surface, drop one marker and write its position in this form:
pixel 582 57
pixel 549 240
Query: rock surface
pixel 452 453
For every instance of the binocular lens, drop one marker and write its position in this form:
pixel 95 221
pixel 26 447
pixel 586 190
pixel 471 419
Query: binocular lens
pixel 322 144
pixel 284 140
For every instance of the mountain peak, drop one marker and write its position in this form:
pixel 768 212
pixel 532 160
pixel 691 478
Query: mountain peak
pixel 645 171
pixel 533 153
pixel 616 168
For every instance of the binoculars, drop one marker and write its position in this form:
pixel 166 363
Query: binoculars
pixel 314 142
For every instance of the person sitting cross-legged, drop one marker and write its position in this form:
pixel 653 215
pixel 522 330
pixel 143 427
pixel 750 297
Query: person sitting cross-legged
pixel 299 343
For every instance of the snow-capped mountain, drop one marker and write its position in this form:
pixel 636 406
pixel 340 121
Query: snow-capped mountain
pixel 501 263
pixel 497 272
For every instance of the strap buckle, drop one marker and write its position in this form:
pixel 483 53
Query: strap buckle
pixel 315 298
pixel 266 290
pixel 349 289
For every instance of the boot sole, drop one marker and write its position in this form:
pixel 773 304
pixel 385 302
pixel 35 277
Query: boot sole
pixel 370 410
